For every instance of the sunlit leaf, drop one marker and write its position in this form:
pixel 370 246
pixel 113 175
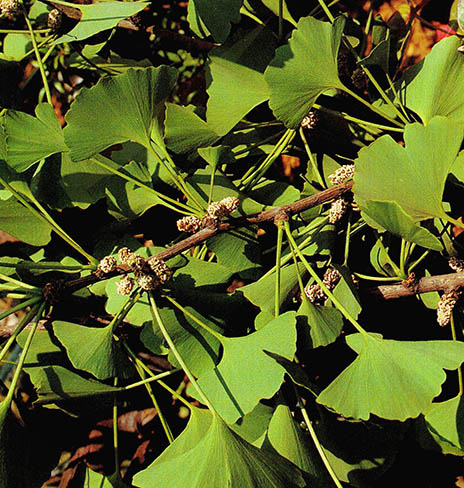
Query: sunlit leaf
pixel 304 68
pixel 237 384
pixel 324 323
pixel 102 356
pixel 438 87
pixel 213 455
pixel 98 17
pixel 55 383
pixel 391 379
pixel 131 106
pixel 30 139
pixel 390 216
pixel 17 220
pixel 238 83
pixel 413 176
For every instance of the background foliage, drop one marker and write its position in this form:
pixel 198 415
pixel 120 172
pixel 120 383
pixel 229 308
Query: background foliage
pixel 231 231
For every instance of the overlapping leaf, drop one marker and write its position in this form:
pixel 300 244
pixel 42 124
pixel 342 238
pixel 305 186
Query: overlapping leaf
pixel 438 87
pixel 246 374
pixel 206 19
pixel 98 17
pixel 413 176
pixel 125 104
pixel 101 356
pixel 238 83
pixel 30 139
pixel 304 69
pixel 215 456
pixel 391 379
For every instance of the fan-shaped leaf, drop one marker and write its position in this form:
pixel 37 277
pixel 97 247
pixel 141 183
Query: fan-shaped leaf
pixel 391 379
pixel 98 17
pixel 304 69
pixel 213 455
pixel 438 87
pixel 30 139
pixel 390 216
pixel 131 106
pixel 207 19
pixel 246 374
pixel 93 349
pixel 413 176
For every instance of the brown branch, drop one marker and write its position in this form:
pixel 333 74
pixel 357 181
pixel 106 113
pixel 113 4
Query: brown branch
pixel 446 283
pixel 55 290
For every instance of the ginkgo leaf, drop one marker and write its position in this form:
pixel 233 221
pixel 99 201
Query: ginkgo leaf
pixel 20 222
pixel 390 216
pixel 101 356
pixel 304 68
pixel 413 176
pixel 206 19
pixel 438 87
pixel 213 455
pixel 238 83
pixel 30 139
pixel 127 107
pixel 444 421
pixel 246 374
pixel 391 379
pixel 98 17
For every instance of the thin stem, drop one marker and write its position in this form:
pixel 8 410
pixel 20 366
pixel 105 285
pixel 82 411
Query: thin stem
pixel 388 258
pixel 48 266
pixel 350 118
pixel 21 284
pixel 214 333
pixel 25 320
pixel 157 318
pixel 20 306
pixel 20 31
pixel 38 57
pixel 142 370
pixel 115 433
pixel 150 379
pixel 22 358
pixel 378 278
pixel 176 395
pixel 347 240
pixel 419 260
pixel 316 441
pixel 455 222
pixel 453 334
pixel 313 162
pixel 324 288
pixel 280 231
pixel 167 201
pixel 47 219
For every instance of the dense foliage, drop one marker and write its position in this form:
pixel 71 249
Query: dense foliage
pixel 234 245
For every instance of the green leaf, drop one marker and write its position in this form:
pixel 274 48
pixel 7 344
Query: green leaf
pixel 413 176
pixel 238 83
pixel 213 455
pixel 129 107
pixel 55 383
pixel 261 292
pixel 304 69
pixel 246 374
pixel 391 379
pixel 390 216
pixel 99 17
pixel 15 46
pixel 206 20
pixel 185 130
pixel 437 88
pixel 289 440
pixel 97 480
pixel 324 323
pixel 444 421
pixel 23 224
pixel 30 139
pixel 101 356
pixel 274 6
